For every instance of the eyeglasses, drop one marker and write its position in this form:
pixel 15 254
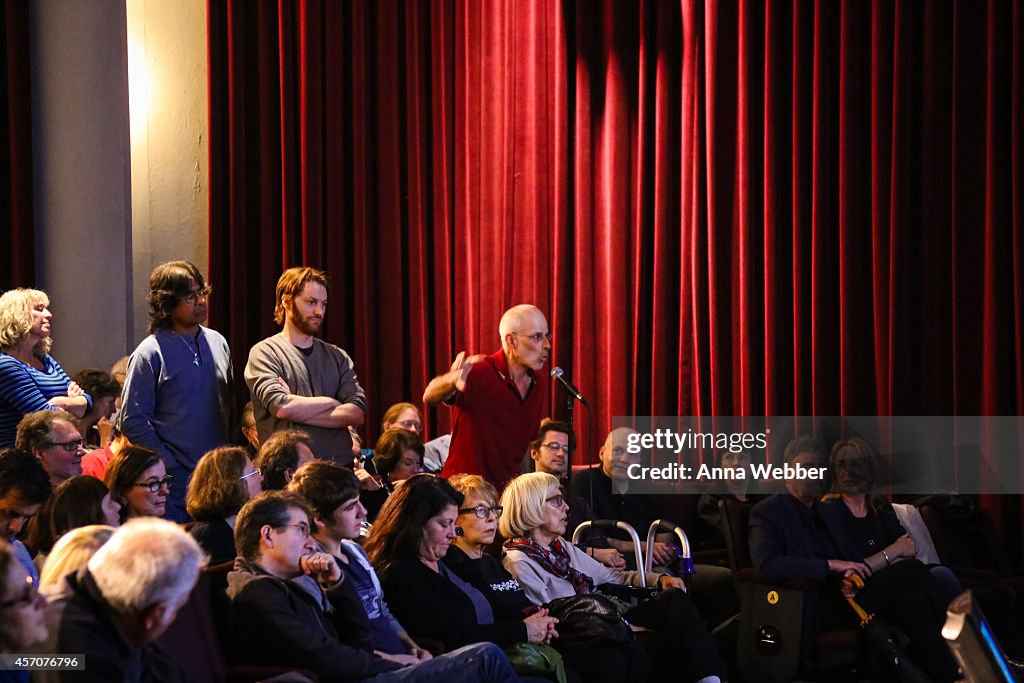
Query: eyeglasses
pixel 154 486
pixel 197 294
pixel 411 425
pixel 27 597
pixel 556 447
pixel 301 526
pixel 11 515
pixel 69 446
pixel 254 473
pixel 555 501
pixel 482 511
pixel 538 337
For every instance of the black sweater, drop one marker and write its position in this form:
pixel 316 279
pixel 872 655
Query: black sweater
pixel 430 606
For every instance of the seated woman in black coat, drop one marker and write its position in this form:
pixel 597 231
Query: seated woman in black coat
pixel 223 481
pixel 474 532
pixel 796 537
pixel 406 546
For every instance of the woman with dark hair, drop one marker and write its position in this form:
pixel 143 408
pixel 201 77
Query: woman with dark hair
pixel 224 479
pixel 406 546
pixel 22 614
pixel 397 456
pixel 30 379
pixel 77 502
pixel 138 480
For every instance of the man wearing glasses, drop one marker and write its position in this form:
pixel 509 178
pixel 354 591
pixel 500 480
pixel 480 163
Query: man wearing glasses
pixel 54 439
pixel 298 381
pixel 498 400
pixel 178 391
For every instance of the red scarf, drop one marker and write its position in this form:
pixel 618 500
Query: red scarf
pixel 555 560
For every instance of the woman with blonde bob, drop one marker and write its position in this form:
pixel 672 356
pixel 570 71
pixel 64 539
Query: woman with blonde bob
pixel 30 379
pixel 72 552
pixel 548 567
pixel 223 481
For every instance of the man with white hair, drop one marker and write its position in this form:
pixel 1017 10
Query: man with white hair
pixel 498 400
pixel 113 610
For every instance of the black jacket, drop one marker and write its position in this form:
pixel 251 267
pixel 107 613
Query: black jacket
pixel 487 575
pixel 216 538
pixel 273 622
pixel 430 606
pixel 78 622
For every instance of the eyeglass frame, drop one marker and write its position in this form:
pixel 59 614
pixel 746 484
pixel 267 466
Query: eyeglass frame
pixel 255 472
pixel 557 447
pixel 194 295
pixel 31 595
pixel 154 486
pixel 404 424
pixel 78 443
pixel 537 337
pixel 552 501
pixel 487 511
pixel 304 528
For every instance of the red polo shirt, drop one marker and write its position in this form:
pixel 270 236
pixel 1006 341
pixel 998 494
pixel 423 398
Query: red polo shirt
pixel 492 426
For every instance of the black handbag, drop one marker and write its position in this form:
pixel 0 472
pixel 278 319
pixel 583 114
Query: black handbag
pixel 588 620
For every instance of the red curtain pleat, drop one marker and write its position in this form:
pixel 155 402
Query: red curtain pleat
pixel 17 264
pixel 804 207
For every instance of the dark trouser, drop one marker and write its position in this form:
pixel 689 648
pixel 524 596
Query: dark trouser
pixel 682 647
pixel 480 662
pixel 609 663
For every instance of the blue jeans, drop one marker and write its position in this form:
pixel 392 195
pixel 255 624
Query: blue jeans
pixel 480 662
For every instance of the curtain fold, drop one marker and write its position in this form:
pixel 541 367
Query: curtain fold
pixel 781 207
pixel 17 264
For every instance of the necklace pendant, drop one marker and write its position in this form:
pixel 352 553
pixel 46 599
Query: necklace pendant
pixel 195 360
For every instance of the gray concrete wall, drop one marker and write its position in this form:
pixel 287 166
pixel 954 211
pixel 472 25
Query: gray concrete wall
pixel 118 188
pixel 82 191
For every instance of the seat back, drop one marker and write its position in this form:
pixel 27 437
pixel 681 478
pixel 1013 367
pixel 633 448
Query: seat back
pixel 735 527
pixel 193 639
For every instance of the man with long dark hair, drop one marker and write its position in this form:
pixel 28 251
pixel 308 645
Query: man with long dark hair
pixel 178 392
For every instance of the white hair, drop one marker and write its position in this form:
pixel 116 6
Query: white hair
pixel 147 561
pixel 513 318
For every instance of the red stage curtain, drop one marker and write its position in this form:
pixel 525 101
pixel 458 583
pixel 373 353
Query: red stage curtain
pixel 17 262
pixel 726 208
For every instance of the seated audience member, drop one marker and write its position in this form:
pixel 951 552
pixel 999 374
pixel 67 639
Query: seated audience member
pixel 72 552
pixel 22 612
pixel 281 455
pixel 95 462
pixel 333 494
pixel 869 519
pixel 104 390
pixel 550 454
pixel 407 416
pixel 223 480
pixel 276 621
pixel 549 567
pixel 475 528
pixel 793 536
pixel 119 370
pixel 252 436
pixel 398 456
pixel 609 485
pixel 30 379
pixel 77 502
pixel 53 437
pixel 406 546
pixel 138 480
pixel 24 487
pixel 125 598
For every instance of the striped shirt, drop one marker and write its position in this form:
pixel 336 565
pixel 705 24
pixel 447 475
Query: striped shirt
pixel 24 389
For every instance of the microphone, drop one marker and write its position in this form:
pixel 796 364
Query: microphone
pixel 559 374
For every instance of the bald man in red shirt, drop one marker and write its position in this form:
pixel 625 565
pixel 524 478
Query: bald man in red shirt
pixel 498 400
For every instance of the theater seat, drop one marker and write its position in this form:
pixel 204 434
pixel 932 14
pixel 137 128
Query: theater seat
pixel 771 616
